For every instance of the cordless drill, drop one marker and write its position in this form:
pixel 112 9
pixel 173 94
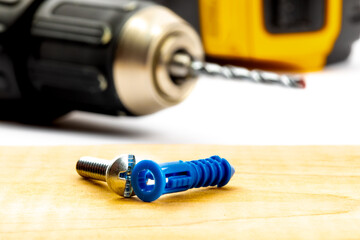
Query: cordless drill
pixel 105 56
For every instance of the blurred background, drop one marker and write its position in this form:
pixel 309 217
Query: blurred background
pixel 223 111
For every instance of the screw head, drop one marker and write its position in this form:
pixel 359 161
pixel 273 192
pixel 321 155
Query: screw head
pixel 118 175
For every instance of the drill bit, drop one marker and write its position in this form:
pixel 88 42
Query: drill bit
pixel 182 67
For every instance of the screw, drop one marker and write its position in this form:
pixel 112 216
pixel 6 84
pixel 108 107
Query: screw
pixel 150 180
pixel 117 173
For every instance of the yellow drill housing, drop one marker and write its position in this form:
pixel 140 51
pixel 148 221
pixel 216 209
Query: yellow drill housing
pixel 301 35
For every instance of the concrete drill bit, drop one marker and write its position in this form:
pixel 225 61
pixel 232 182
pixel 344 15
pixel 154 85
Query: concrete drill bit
pixel 182 65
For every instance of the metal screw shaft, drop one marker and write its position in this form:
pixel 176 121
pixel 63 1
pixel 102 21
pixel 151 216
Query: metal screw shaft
pixel 117 173
pixel 94 168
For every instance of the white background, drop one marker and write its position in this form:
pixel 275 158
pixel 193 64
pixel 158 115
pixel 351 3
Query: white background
pixel 225 112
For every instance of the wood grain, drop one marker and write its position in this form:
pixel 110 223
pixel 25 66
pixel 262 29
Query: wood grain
pixel 276 193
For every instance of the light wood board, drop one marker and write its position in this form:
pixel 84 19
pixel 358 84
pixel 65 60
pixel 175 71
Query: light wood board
pixel 276 193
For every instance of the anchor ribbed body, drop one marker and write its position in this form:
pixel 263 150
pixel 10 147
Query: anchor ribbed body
pixel 210 172
pixel 150 180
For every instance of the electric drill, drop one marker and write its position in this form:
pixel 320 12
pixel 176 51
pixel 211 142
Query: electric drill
pixel 296 35
pixel 104 56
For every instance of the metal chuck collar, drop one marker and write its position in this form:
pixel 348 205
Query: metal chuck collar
pixel 148 41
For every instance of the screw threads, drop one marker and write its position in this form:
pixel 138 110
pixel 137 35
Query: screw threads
pixel 211 172
pixel 94 168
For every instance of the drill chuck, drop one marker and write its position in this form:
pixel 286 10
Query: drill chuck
pixel 146 46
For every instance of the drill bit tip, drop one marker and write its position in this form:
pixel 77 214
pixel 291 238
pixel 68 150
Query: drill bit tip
pixel 302 83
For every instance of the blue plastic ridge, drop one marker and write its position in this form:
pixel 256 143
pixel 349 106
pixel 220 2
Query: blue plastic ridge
pixel 151 180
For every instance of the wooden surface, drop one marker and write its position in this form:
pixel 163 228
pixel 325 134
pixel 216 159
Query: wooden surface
pixel 276 193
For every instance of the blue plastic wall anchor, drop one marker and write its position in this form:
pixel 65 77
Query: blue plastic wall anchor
pixel 151 180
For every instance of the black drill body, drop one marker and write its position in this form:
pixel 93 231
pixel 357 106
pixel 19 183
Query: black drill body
pixel 57 56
